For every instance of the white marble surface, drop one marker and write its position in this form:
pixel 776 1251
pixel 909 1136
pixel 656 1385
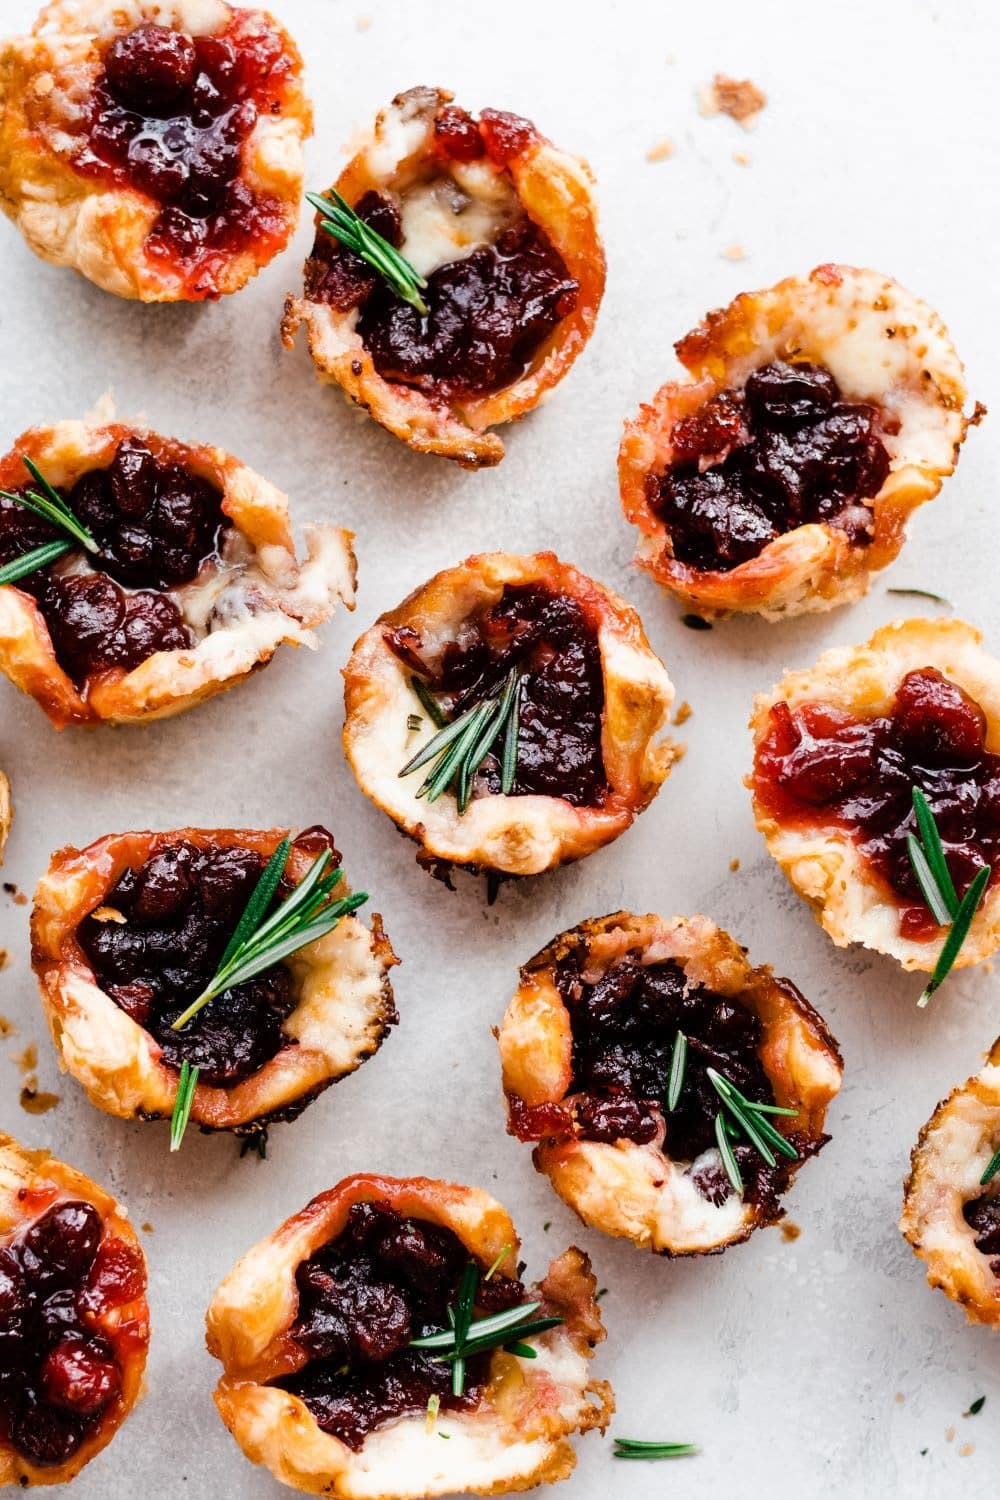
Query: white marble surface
pixel 824 1366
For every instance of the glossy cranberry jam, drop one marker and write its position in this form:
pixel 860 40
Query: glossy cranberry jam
pixel 59 1375
pixel 156 523
pixel 624 1028
pixel 784 451
pixel 170 115
pixel 550 638
pixel 180 908
pixel 488 313
pixel 362 1298
pixel 820 766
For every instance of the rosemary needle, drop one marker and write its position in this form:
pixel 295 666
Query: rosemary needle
pixel 634 1448
pixel 930 867
pixel 187 1082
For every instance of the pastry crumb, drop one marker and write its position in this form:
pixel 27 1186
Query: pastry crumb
pixel 899 1398
pixel 733 252
pixel 364 22
pixel 789 1231
pixel 670 59
pixel 146 1228
pixel 18 897
pixel 734 865
pixel 966 1449
pixel 36 1101
pixel 742 158
pixel 949 1435
pixel 662 151
pixel 738 98
pixel 27 1060
pixel 7 1028
pixel 683 713
pixel 109 914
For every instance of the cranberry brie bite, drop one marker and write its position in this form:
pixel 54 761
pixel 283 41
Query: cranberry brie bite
pixel 951 1201
pixel 504 715
pixel 456 274
pixel 780 473
pixel 673 1090
pixel 211 974
pixel 74 1324
pixel 140 575
pixel 154 147
pixel 876 784
pixel 381 1344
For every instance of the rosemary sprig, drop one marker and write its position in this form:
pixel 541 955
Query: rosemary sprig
pixel 260 942
pixel 347 227
pixel 634 1448
pixel 742 1116
pixel 991 1171
pixel 459 748
pixel 47 503
pixel 186 1085
pixel 678 1067
pixel 938 889
pixel 469 1335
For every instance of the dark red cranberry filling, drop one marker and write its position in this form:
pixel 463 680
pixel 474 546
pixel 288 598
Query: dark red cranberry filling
pixel 58 1373
pixel 549 637
pixel 819 765
pixel 362 1298
pixel 983 1217
pixel 486 316
pixel 784 451
pixel 181 908
pixel 156 524
pixel 169 116
pixel 624 1029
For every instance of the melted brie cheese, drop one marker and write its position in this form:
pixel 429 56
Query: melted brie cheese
pixel 447 218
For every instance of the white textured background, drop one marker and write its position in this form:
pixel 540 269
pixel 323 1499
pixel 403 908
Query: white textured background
pixel 820 1367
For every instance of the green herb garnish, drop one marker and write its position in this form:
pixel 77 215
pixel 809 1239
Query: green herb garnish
pixel 975 1407
pixel 938 889
pixel 633 1448
pixel 260 942
pixel 459 749
pixel 47 503
pixel 494 1268
pixel 469 1335
pixel 991 1171
pixel 919 594
pixel 696 622
pixel 186 1085
pixel 255 1142
pixel 678 1066
pixel 341 221
pixel 741 1116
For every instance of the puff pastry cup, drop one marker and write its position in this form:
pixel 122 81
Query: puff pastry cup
pixel 127 932
pixel 779 473
pixel 153 145
pixel 950 1217
pixel 591 699
pixel 66 1384
pixel 838 751
pixel 503 226
pixel 509 1431
pixel 196 587
pixel 588 1045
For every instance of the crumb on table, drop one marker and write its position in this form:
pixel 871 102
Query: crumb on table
pixel 734 865
pixel 662 151
pixel 36 1101
pixel 789 1231
pixel 733 252
pixel 738 98
pixel 684 712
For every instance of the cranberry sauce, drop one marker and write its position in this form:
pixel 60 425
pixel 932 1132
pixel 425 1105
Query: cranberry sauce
pixel 983 1217
pixel 169 116
pixel 156 524
pixel 58 1374
pixel 820 766
pixel 181 908
pixel 487 313
pixel 362 1298
pixel 784 451
pixel 624 1028
pixel 551 640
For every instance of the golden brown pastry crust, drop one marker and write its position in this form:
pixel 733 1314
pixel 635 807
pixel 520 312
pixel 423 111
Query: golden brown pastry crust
pixel 344 1004
pixel 556 191
pixel 6 812
pixel 636 1191
pixel 822 863
pixel 264 596
pixel 881 345
pixel 96 226
pixel 952 1153
pixel 30 1182
pixel 515 1439
pixel 513 835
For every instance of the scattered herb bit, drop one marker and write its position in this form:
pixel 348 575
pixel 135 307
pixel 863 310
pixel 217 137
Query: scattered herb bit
pixel 991 1170
pixel 547 1226
pixel 496 1264
pixel 747 1117
pixel 678 1066
pixel 494 880
pixel 50 505
pixel 695 622
pixel 919 594
pixel 340 220
pixel 186 1085
pixel 603 1292
pixel 255 1142
pixel 260 942
pixel 433 1407
pixel 413 722
pixel 460 748
pixel 634 1448
pixel 975 1407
